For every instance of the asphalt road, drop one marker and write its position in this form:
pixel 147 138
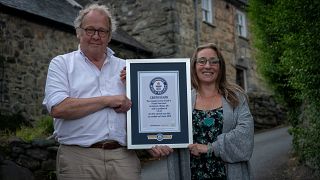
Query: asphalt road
pixel 271 154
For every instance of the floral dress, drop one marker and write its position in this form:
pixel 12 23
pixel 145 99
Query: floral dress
pixel 207 125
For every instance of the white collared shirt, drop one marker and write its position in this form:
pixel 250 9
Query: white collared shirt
pixel 73 75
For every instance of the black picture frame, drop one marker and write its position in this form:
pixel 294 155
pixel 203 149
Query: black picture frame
pixel 181 135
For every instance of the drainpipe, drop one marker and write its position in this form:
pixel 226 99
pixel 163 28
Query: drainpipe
pixel 196 23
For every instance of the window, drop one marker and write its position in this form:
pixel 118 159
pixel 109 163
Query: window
pixel 241 77
pixel 207 11
pixel 241 24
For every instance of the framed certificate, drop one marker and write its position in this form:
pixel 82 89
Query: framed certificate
pixel 160 92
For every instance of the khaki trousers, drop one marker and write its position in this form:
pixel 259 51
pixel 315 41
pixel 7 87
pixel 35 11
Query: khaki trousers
pixel 74 162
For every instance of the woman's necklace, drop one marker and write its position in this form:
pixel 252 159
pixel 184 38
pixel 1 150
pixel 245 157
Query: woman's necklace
pixel 208 121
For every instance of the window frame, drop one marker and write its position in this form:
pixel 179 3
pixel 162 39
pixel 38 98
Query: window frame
pixel 207 11
pixel 241 24
pixel 243 77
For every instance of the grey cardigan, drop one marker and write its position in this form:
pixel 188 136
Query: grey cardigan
pixel 235 145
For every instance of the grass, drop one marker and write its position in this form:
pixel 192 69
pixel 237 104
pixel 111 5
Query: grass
pixel 42 128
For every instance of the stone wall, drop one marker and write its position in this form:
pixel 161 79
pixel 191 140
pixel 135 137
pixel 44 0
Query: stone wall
pixel 26 49
pixel 265 111
pixel 166 27
pixel 150 22
pixel 35 160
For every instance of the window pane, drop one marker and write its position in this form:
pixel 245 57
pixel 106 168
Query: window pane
pixel 241 24
pixel 206 10
pixel 205 4
pixel 240 78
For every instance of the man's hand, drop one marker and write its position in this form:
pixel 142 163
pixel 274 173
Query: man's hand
pixel 120 103
pixel 160 151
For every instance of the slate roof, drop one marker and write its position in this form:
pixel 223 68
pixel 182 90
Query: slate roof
pixel 64 12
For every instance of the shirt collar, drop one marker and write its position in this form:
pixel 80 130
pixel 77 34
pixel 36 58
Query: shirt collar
pixel 109 52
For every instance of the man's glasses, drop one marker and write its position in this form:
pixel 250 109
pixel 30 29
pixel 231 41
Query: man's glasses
pixel 203 61
pixel 91 31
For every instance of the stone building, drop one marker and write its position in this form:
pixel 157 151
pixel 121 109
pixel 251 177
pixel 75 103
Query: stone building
pixel 173 28
pixel 33 32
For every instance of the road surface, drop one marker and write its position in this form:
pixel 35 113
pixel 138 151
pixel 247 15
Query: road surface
pixel 271 153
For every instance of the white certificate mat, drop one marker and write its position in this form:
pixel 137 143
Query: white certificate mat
pixel 158 101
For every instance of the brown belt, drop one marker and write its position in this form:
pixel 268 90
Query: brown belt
pixel 106 145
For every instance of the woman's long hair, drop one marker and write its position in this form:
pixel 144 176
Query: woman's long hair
pixel 228 90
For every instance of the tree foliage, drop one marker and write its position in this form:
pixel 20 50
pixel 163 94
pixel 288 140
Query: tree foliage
pixel 286 35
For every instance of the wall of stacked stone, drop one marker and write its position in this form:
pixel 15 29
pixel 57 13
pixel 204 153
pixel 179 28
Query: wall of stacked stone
pixel 150 22
pixel 38 156
pixel 26 49
pixel 265 111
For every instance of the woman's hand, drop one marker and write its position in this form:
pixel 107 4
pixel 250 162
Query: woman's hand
pixel 160 151
pixel 197 149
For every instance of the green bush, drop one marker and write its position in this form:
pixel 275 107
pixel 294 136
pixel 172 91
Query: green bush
pixel 287 39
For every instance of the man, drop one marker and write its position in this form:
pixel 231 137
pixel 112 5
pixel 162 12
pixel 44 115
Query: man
pixel 86 97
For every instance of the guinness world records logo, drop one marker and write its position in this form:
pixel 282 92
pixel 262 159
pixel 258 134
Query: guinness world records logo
pixel 158 86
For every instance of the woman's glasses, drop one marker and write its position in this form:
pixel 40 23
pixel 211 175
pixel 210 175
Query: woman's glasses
pixel 212 61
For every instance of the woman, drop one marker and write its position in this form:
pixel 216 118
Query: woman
pixel 222 123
